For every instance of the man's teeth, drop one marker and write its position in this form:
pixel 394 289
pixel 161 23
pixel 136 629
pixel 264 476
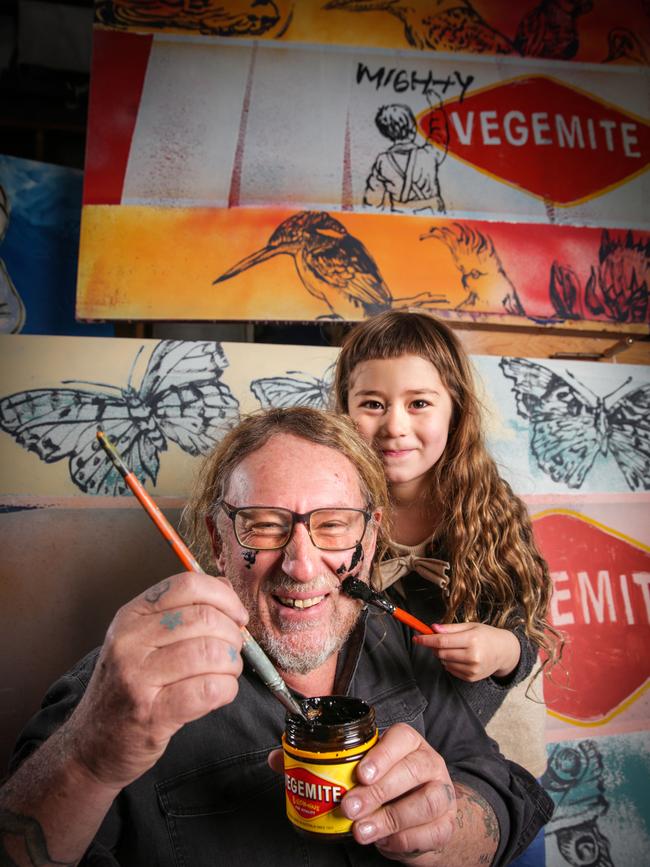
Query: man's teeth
pixel 300 603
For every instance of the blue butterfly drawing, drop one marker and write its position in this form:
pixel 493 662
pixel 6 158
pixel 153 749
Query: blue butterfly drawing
pixel 570 425
pixel 294 389
pixel 180 399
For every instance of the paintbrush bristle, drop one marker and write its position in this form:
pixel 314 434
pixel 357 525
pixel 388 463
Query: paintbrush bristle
pixel 357 589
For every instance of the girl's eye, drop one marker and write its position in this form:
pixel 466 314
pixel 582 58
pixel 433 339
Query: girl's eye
pixel 371 404
pixel 420 404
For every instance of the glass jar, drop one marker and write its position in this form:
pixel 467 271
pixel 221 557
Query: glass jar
pixel 320 757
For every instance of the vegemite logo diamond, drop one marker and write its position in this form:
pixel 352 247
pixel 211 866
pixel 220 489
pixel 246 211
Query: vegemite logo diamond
pixel 545 137
pixel 311 796
pixel 601 601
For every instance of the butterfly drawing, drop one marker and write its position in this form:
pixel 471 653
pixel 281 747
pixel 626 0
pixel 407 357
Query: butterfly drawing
pixel 570 425
pixel 294 389
pixel 180 399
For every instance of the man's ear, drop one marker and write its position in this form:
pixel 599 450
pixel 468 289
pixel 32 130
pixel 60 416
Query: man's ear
pixel 217 546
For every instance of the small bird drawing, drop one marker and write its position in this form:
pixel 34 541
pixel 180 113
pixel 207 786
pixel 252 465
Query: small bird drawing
pixel 550 29
pixel 333 266
pixel 232 18
pixel 441 25
pixel 617 288
pixel 482 273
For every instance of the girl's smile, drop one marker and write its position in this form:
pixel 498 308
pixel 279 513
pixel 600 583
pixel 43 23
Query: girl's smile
pixel 401 406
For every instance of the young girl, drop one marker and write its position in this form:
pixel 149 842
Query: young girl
pixel 462 553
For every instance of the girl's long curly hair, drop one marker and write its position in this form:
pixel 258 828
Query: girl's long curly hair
pixel 497 573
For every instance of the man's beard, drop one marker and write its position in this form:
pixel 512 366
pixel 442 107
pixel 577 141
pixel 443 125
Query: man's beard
pixel 284 648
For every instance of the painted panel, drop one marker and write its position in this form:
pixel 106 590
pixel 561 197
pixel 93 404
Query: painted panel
pixel 164 403
pixel 40 213
pixel 600 793
pixel 606 31
pixel 272 264
pixel 553 427
pixel 598 703
pixel 218 125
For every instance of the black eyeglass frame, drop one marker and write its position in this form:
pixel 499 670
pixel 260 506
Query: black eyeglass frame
pixel 296 518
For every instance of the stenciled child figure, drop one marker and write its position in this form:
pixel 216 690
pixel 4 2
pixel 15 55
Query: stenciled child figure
pixel 462 556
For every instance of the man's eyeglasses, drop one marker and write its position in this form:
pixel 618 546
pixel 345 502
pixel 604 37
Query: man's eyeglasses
pixel 266 528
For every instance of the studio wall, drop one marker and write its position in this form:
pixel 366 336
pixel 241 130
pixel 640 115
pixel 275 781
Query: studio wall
pixel 71 526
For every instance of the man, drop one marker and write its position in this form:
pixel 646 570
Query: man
pixel 159 743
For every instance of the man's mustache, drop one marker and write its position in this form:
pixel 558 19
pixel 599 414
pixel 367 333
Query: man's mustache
pixel 317 587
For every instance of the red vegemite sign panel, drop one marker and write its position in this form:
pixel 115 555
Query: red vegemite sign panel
pixel 557 142
pixel 601 601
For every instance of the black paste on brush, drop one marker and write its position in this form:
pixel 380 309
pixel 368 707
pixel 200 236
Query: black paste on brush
pixel 358 590
pixel 330 710
pixel 249 557
pixel 357 557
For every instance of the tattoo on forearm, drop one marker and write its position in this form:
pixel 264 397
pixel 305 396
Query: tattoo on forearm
pixel 451 793
pixel 459 818
pixel 487 813
pixel 28 830
pixel 154 593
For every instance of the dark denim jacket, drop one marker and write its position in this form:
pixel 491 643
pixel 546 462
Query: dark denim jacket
pixel 212 799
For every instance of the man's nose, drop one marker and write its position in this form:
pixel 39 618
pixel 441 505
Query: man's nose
pixel 395 421
pixel 301 556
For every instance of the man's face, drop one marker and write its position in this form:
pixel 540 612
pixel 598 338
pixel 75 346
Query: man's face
pixel 297 612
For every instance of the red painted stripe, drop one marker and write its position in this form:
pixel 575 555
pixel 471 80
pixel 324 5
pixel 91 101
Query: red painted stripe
pixel 347 199
pixel 117 76
pixel 235 182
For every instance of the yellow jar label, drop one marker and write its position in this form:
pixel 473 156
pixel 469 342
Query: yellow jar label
pixel 314 791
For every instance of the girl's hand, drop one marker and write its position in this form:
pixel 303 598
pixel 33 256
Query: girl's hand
pixel 473 651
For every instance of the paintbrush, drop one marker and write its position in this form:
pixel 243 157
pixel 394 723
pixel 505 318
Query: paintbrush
pixel 358 590
pixel 251 651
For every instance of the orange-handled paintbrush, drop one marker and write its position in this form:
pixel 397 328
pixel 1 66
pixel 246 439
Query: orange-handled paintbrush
pixel 359 590
pixel 251 651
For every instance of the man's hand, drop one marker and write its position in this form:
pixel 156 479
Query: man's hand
pixel 404 802
pixel 170 656
pixel 473 651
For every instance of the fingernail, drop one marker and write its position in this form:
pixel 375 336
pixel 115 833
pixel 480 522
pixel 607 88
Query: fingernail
pixel 368 771
pixel 351 806
pixel 438 627
pixel 366 829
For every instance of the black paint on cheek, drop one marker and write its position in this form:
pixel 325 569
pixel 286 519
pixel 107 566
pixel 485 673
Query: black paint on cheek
pixel 249 557
pixel 357 558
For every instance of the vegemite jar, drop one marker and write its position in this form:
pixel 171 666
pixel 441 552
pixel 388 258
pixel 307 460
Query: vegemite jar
pixel 321 753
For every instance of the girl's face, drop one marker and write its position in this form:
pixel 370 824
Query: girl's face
pixel 402 408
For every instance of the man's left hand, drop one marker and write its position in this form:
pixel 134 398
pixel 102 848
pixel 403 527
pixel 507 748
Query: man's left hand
pixel 404 802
